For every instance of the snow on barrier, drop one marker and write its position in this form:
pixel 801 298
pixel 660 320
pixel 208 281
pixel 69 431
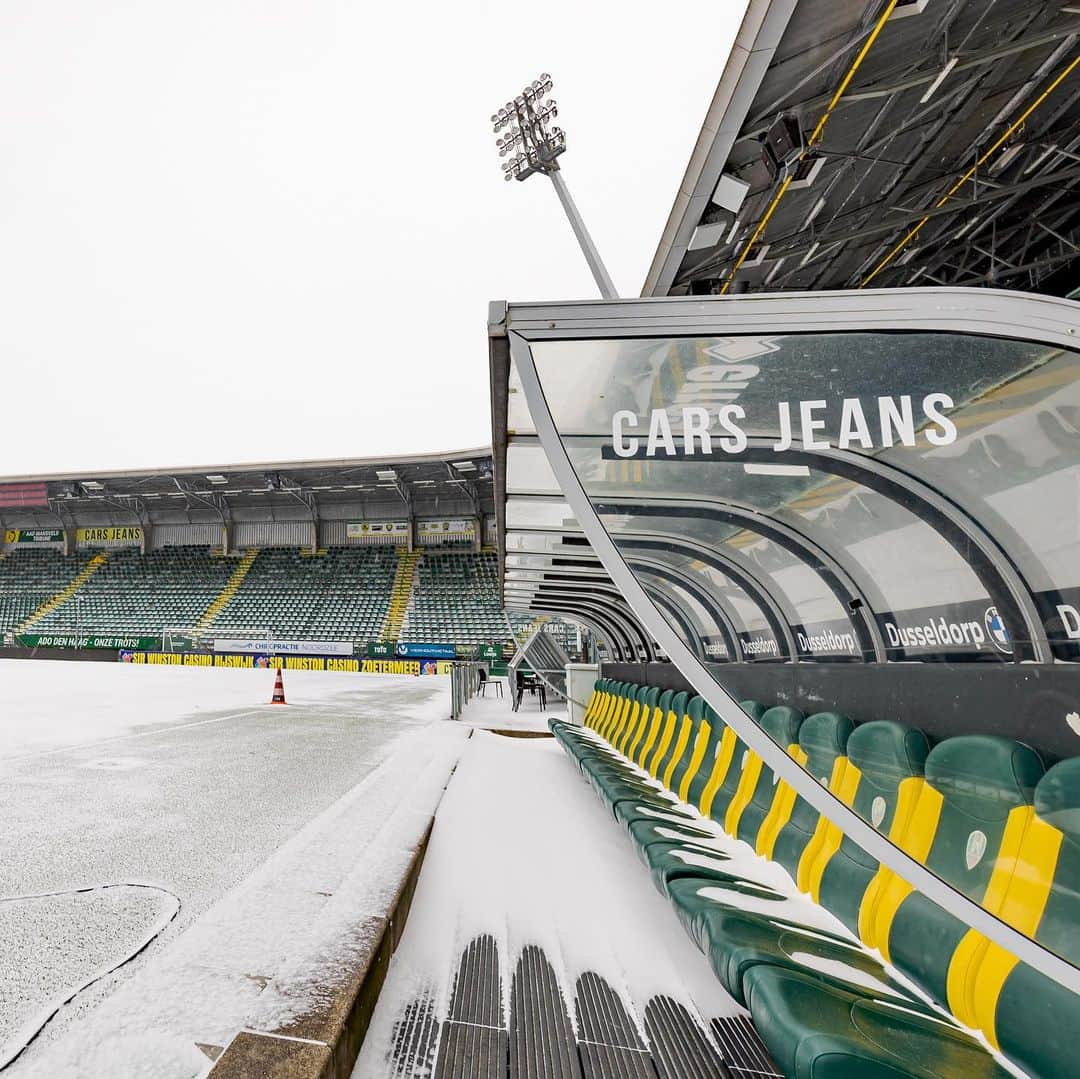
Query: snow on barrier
pixel 311 1019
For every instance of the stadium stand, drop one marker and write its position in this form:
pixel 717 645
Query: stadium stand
pixel 29 579
pixel 342 593
pixel 132 593
pixel 456 600
pixel 357 593
pixel 686 788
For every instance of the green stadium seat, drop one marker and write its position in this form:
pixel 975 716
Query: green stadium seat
pixel 817 1031
pixel 966 825
pixel 757 785
pixel 977 810
pixel 342 594
pixel 456 601
pixel 1030 1018
pixel 792 821
pixel 886 761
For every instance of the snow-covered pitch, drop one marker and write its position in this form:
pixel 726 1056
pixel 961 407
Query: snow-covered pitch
pixel 133 799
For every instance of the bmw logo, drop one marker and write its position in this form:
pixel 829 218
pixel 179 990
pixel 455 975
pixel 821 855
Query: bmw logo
pixel 995 629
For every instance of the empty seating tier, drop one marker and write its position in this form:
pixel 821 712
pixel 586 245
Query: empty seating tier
pixel 357 594
pixel 456 600
pixel 132 593
pixel 30 578
pixel 340 594
pixel 846 969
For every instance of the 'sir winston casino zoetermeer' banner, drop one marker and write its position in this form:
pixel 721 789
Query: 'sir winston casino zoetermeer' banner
pixel 345 664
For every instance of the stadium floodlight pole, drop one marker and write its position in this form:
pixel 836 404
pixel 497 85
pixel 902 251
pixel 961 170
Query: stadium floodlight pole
pixel 527 122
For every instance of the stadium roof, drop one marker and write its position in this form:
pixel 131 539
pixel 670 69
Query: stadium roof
pixel 886 142
pixel 454 483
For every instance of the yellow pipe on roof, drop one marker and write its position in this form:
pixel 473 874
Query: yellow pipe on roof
pixel 814 138
pixel 971 172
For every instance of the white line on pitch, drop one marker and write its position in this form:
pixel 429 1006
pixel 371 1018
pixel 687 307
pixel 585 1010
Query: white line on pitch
pixel 129 737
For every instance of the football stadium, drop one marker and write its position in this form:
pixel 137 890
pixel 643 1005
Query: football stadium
pixel 716 720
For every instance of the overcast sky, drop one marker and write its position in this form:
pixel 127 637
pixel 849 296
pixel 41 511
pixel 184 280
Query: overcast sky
pixel 247 231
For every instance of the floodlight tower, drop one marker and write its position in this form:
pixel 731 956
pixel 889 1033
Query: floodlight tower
pixel 527 121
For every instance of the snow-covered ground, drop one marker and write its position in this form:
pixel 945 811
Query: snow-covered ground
pixel 524 850
pixel 181 779
pixel 492 712
pixel 49 705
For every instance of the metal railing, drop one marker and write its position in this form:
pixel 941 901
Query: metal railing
pixel 464 684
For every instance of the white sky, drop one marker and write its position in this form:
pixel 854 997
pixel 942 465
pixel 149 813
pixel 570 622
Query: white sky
pixel 241 230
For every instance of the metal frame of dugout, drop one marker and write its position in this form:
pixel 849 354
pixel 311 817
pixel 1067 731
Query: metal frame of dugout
pixel 975 509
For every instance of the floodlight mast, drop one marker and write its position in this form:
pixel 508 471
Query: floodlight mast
pixel 528 122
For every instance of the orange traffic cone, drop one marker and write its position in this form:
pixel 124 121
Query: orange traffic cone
pixel 279 690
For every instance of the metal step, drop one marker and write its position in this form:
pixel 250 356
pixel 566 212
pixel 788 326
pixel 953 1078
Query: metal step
pixel 538 1040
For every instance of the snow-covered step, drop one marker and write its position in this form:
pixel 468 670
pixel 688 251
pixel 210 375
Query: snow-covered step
pixel 537 945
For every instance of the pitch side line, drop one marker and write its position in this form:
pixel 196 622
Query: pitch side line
pixel 131 737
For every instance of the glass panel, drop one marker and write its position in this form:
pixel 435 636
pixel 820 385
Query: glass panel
pixel 1015 466
pixel 817 621
pixel 782 420
pixel 902 567
pixel 543 660
pixel 522 565
pixel 534 513
pixel 768 377
pixel 747 615
pixel 528 471
pixel 518 419
pixel 868 497
pixel 545 541
pixel 709 638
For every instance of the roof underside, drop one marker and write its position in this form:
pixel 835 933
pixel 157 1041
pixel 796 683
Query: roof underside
pixel 455 484
pixel 951 156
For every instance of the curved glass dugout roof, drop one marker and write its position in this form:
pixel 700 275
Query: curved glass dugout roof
pixel 873 482
pixel 955 449
pixel 560 568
